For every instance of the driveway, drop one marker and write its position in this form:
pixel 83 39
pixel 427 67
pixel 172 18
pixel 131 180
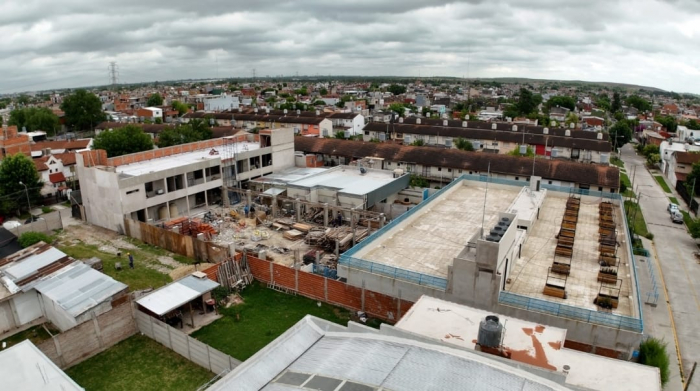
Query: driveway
pixel 675 250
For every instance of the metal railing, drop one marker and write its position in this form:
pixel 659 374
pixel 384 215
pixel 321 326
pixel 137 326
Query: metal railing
pixel 652 297
pixel 570 312
pixel 395 272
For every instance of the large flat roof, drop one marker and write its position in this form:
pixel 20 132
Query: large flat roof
pixel 347 180
pixel 176 294
pixel 435 234
pixel 23 367
pixel 168 162
pixel 289 175
pixel 528 275
pixel 530 343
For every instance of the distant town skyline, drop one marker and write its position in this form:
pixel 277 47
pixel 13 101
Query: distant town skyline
pixel 65 44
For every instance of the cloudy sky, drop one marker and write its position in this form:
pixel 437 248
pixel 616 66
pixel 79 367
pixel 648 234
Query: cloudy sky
pixel 68 43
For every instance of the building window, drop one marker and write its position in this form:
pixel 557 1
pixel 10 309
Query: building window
pixel 517 178
pixel 439 168
pixel 550 182
pixel 366 133
pixel 132 191
pixel 449 170
pixel 600 188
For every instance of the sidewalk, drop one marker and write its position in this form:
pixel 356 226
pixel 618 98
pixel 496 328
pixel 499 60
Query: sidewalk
pixel 657 318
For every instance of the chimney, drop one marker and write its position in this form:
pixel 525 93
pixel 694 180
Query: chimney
pixel 400 120
pixel 493 126
pixel 515 128
pixel 417 121
pixel 318 112
pixel 465 124
pixel 444 122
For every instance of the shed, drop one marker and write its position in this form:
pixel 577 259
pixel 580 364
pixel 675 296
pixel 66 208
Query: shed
pixel 23 367
pixel 177 294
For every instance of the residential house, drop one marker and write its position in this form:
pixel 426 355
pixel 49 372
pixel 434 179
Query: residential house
pixel 680 165
pixel 12 142
pixel 151 113
pixel 558 113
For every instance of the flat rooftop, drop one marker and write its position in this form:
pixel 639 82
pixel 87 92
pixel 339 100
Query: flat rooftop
pixel 528 275
pixel 347 180
pixel 179 160
pixel 529 343
pixel 23 367
pixel 435 234
pixel 289 175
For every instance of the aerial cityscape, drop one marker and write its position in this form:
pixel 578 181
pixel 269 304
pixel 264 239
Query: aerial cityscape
pixel 316 195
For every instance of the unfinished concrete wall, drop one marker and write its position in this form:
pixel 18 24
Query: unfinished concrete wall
pixel 50 221
pixel 91 337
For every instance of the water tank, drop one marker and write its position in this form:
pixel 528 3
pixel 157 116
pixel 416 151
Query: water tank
pixel 490 332
pixel 523 149
pixel 555 152
pixel 400 120
pixel 476 144
pixel 496 233
pixel 503 224
pixel 444 123
pixel 382 136
pixel 464 124
pixel 162 213
pixel 347 134
pixel 604 158
pixel 173 211
pixel 567 133
pixel 406 139
pixel 515 128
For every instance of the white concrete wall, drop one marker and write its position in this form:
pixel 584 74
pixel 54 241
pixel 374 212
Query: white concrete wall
pixel 27 306
pixel 57 315
pixel 7 320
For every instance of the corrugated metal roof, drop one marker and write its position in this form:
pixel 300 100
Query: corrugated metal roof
pixel 77 288
pixel 30 265
pixel 176 294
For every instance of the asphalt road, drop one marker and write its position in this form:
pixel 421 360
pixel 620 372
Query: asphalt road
pixel 675 249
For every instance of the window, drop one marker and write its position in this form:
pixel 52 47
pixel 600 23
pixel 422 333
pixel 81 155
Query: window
pixel 449 170
pixel 600 188
pixel 132 191
pixel 517 178
pixel 439 168
pixel 550 182
pixel 460 171
pixel 584 187
pixel 366 133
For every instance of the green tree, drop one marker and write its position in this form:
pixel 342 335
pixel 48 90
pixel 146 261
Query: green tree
pixel 693 124
pixel 418 143
pixel 23 100
pixel 398 108
pixel 29 238
pixel 616 104
pixel 83 110
pixel 669 123
pixel 13 170
pixel 638 102
pixel 323 91
pixel 397 89
pixel 650 149
pixel 653 159
pixel 195 130
pixel 154 100
pixel 123 141
pixel 527 102
pixel 529 152
pixel 571 118
pixel 180 107
pixel 561 101
pixel 34 118
pixel 603 102
pixel 464 144
pixel 620 133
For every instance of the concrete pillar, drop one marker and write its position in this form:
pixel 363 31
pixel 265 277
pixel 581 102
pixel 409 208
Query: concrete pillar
pixel 167 209
pixel 187 201
pixel 274 206
pixel 206 198
pixel 249 198
pixel 352 225
pixel 224 195
pixel 325 215
pixel 297 206
pixel 382 220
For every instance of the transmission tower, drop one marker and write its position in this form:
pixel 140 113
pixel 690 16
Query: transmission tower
pixel 113 73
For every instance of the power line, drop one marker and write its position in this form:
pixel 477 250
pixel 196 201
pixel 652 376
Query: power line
pixel 113 73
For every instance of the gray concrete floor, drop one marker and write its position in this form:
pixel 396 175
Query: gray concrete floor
pixel 680 272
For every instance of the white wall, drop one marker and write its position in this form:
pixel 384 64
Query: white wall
pixel 7 320
pixel 27 306
pixel 57 315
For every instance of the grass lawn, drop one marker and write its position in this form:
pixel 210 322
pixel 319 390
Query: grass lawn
pixel 264 315
pixel 139 278
pixel 663 184
pixel 36 334
pixel 616 161
pixel 636 219
pixel 674 200
pixel 625 180
pixel 687 219
pixel 139 363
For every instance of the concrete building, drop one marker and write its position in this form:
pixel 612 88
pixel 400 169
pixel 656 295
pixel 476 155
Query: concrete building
pixel 678 165
pixel 344 186
pixel 12 142
pixel 217 103
pixel 43 282
pixel 495 244
pixel 170 182
pixel 150 113
pixel 23 367
pixel 441 166
pixel 497 138
pixel 312 126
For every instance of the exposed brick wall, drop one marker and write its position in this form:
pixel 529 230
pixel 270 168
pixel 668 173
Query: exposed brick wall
pixel 211 272
pixel 328 290
pixel 578 346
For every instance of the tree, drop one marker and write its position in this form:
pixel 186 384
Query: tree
pixel 83 110
pixel 638 102
pixel 616 104
pixel 180 107
pixel 571 118
pixel 34 118
pixel 693 124
pixel 154 100
pixel 195 130
pixel 122 141
pixel 464 144
pixel 418 143
pixel 29 238
pixel 650 149
pixel 399 108
pixel 397 89
pixel 561 101
pixel 620 133
pixel 653 159
pixel 527 102
pixel 669 123
pixel 13 170
pixel 529 152
pixel 23 100
pixel 323 91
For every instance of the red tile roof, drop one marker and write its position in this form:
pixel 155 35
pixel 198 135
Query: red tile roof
pixel 57 177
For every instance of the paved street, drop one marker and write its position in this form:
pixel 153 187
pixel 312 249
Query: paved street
pixel 680 270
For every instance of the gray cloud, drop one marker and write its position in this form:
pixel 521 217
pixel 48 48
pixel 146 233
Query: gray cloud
pixel 49 44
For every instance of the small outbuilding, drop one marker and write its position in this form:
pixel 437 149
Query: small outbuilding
pixel 23 367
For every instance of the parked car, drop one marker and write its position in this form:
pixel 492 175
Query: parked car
pixel 672 208
pixel 677 217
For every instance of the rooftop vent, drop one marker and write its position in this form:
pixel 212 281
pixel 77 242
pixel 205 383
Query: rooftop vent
pixel 494 126
pixel 599 136
pixel 444 122
pixel 545 131
pixel 465 124
pixel 515 128
pixel 417 121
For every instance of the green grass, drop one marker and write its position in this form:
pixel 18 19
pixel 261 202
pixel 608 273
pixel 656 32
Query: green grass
pixel 140 277
pixel 674 200
pixel 663 184
pixel 36 334
pixel 652 352
pixel 139 363
pixel 625 180
pixel 687 219
pixel 617 162
pixel 636 219
pixel 264 315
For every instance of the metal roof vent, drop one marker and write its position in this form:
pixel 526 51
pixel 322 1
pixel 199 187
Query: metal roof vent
pixel 444 122
pixel 417 121
pixel 599 136
pixel 465 124
pixel 515 128
pixel 545 131
pixel 493 126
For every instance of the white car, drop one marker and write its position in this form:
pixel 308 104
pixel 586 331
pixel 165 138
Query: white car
pixel 672 208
